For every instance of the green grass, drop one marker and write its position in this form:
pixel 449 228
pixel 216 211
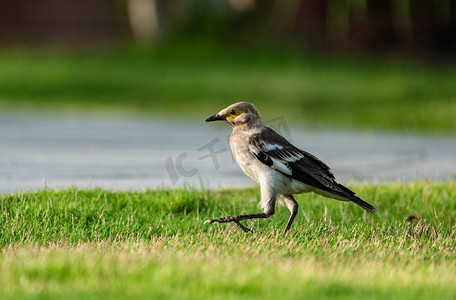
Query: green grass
pixel 153 244
pixel 194 80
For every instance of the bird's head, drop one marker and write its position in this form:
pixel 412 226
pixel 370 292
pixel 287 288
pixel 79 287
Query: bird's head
pixel 237 114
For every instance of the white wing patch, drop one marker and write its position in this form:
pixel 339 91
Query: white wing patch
pixel 281 166
pixel 270 147
pixel 285 154
pixel 280 151
pixel 292 156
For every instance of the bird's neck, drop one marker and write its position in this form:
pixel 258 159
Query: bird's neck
pixel 251 124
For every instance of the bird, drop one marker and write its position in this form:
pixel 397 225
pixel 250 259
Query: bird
pixel 280 168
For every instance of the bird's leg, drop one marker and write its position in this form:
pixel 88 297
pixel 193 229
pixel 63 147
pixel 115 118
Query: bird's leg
pixel 292 205
pixel 269 210
pixel 290 221
pixel 245 229
pixel 236 219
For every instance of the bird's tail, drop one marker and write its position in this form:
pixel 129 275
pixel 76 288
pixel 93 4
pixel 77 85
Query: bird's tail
pixel 363 204
pixel 342 193
pixel 350 195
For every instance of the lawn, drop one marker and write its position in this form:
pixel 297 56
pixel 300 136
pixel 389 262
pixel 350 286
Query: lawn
pixel 192 80
pixel 153 244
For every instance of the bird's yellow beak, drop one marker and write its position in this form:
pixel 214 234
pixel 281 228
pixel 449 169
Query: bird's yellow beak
pixel 215 118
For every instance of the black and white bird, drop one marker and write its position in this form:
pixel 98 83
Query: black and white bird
pixel 280 168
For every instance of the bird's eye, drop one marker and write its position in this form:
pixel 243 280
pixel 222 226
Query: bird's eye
pixel 233 112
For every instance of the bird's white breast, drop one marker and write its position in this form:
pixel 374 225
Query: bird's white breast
pixel 239 144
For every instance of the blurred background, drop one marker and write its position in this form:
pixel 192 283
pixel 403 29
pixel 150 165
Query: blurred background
pixel 379 64
pixel 365 66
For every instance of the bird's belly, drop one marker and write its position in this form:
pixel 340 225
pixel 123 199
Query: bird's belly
pixel 297 187
pixel 251 169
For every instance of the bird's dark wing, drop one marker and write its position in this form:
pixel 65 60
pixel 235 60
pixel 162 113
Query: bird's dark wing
pixel 276 152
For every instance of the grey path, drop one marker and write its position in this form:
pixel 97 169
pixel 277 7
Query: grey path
pixel 126 155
